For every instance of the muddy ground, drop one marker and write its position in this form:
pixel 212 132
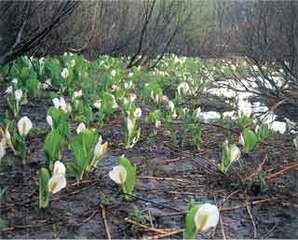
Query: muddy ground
pixel 169 177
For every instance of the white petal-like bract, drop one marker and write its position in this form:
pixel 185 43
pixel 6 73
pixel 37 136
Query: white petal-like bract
pixel 118 174
pixel 81 127
pixel 18 95
pixel 59 168
pixel 206 217
pixel 235 153
pixel 50 121
pixel 24 126
pixel 57 183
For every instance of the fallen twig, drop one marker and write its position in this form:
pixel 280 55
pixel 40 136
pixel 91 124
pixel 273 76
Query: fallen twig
pixel 165 179
pixel 164 235
pixel 103 213
pixel 144 226
pixel 248 208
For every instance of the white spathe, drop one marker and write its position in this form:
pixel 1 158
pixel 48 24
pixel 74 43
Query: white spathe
pixel 59 168
pixel 9 90
pixel 118 174
pixel 157 123
pixel 235 153
pixel 18 95
pixel 132 97
pixel 100 149
pixel 171 106
pixel 206 217
pixel 97 104
pixel 77 94
pixel 183 88
pixel 138 113
pixel 50 121
pixel 60 103
pixel 2 150
pixel 24 126
pixel 57 183
pixel 130 125
pixel 65 73
pixel 81 127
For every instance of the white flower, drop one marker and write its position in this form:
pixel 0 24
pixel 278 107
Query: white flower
pixel 235 153
pixel 206 217
pixel 65 73
pixel 14 81
pixel 100 149
pixel 59 168
pixel 295 142
pixel 18 95
pixel 198 113
pixel 241 140
pixel 114 104
pixel 46 84
pixel 157 123
pixel 113 73
pixel 61 104
pixel 171 106
pixel 183 88
pixel 50 121
pixel 130 125
pixel 132 97
pixel 97 104
pixel 2 149
pixel 118 174
pixel 174 114
pixel 137 113
pixel 81 127
pixel 114 87
pixel 7 135
pixel 128 85
pixel 57 183
pixel 56 102
pixel 24 126
pixel 9 90
pixel 77 94
pixel 67 108
pixel 165 98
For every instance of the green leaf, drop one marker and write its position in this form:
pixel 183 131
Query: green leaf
pixel 59 120
pixel 250 140
pixel 225 158
pixel 131 175
pixel 190 229
pixel 44 177
pixel 244 121
pixel 53 146
pixel 263 132
pixel 82 146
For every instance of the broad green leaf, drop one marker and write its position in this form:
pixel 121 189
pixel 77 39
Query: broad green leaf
pixel 82 146
pixel 44 177
pixel 250 140
pixel 263 132
pixel 190 229
pixel 53 146
pixel 244 121
pixel 131 174
pixel 59 120
pixel 225 158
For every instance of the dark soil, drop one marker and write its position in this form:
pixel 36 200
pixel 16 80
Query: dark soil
pixel 169 177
